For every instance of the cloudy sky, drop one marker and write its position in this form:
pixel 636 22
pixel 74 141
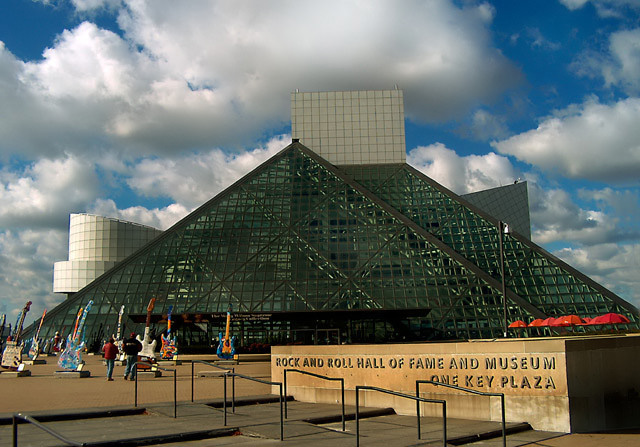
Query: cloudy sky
pixel 144 109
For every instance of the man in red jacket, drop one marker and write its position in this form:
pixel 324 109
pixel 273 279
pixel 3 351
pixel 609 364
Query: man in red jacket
pixel 110 354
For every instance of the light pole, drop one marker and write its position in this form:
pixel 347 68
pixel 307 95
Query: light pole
pixel 503 229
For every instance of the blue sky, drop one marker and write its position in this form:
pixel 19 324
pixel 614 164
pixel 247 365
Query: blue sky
pixel 142 110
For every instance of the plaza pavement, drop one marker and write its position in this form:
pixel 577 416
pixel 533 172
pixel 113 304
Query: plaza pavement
pixel 101 412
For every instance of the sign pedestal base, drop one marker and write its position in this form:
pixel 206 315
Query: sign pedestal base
pixel 149 374
pixel 72 374
pixel 12 374
pixel 169 362
pixel 35 362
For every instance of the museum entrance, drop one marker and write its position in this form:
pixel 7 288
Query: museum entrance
pixel 257 332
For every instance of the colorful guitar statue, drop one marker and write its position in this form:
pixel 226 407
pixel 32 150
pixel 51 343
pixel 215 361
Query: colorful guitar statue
pixel 4 320
pixel 118 336
pixel 226 348
pixel 71 357
pixel 12 353
pixel 169 349
pixel 34 350
pixel 148 346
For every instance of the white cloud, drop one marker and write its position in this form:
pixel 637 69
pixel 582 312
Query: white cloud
pixel 625 203
pixel 90 5
pixel 555 214
pixel 556 217
pixel 619 67
pixel 614 266
pixel 188 180
pixel 485 125
pixel 161 218
pixel 604 8
pixel 592 141
pixel 625 61
pixel 220 73
pixel 462 174
pixel 45 192
pixel 26 270
pixel 604 216
pixel 538 40
pixel 574 4
pixel 193 179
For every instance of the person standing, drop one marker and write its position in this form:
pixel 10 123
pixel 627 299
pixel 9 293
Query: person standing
pixel 110 353
pixel 56 342
pixel 131 347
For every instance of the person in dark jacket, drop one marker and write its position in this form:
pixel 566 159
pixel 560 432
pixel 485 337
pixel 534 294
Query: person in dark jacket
pixel 131 347
pixel 110 353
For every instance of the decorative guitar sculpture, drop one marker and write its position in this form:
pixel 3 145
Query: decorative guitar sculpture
pixel 34 350
pixel 118 337
pixel 226 348
pixel 71 357
pixel 169 349
pixel 12 353
pixel 4 320
pixel 148 346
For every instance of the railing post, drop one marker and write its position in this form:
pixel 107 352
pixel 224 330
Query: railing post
pixel 341 392
pixel 281 418
pixel 233 390
pixel 418 406
pixel 357 417
pixel 418 416
pixel 504 433
pixel 175 394
pixel 444 424
pixel 286 415
pixel 224 402
pixel 136 385
pixel 14 428
pixel 192 362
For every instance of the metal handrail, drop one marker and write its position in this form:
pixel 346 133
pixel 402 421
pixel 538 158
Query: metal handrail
pixel 266 382
pixel 175 387
pixel 406 396
pixel 469 390
pixel 31 420
pixel 233 384
pixel 340 379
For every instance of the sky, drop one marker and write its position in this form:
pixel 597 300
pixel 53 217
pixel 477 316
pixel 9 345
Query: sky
pixel 142 110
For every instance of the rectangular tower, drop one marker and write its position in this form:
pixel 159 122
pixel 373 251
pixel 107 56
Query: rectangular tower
pixel 359 127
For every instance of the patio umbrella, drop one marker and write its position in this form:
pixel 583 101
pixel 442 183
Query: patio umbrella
pixel 548 321
pixel 568 320
pixel 610 318
pixel 536 323
pixel 518 324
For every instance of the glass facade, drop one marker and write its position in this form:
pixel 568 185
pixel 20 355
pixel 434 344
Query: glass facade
pixel 305 251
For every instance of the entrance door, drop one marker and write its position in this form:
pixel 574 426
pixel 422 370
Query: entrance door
pixel 327 337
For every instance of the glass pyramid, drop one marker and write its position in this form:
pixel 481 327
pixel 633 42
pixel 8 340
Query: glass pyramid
pixel 376 253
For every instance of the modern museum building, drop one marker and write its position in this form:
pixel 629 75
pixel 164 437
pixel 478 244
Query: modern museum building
pixel 336 239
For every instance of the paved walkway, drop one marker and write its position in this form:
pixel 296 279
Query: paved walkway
pixel 92 407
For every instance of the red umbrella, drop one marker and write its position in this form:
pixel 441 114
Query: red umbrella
pixel 518 324
pixel 610 318
pixel 536 323
pixel 568 320
pixel 587 320
pixel 548 321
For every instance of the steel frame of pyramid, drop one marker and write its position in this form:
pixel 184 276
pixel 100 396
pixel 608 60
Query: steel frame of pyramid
pixel 308 245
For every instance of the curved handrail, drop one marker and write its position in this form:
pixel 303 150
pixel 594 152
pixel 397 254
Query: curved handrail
pixel 31 420
pixel 469 390
pixel 406 396
pixel 175 386
pixel 266 382
pixel 320 376
pixel 233 386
